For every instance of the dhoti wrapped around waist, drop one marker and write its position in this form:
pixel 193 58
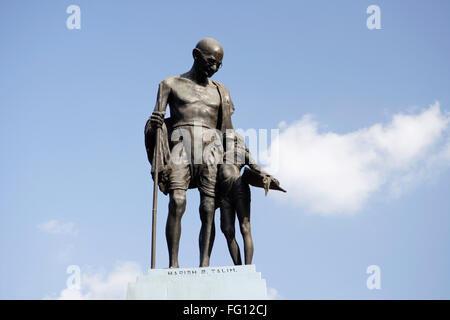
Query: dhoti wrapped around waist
pixel 195 154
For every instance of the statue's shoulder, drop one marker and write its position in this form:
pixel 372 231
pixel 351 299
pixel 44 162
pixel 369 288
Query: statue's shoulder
pixel 170 81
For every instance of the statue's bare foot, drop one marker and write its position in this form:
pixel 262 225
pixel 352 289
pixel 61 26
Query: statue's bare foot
pixel 204 264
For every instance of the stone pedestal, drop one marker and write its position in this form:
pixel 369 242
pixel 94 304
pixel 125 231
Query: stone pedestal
pixel 211 283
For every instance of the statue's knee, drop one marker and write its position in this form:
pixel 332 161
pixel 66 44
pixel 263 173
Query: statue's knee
pixel 207 205
pixel 228 231
pixel 178 202
pixel 245 228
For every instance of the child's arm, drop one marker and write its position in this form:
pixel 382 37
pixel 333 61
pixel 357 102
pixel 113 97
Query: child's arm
pixel 252 163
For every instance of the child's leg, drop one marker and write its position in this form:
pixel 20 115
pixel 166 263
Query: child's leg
pixel 227 221
pixel 243 213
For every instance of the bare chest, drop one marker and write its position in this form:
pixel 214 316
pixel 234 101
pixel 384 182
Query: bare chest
pixel 187 92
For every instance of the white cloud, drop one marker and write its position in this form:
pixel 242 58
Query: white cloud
pixel 102 285
pixel 58 227
pixel 272 294
pixel 333 173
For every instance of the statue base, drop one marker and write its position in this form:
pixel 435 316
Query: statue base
pixel 210 283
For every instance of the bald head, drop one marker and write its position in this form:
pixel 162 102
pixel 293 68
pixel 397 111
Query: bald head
pixel 210 46
pixel 208 55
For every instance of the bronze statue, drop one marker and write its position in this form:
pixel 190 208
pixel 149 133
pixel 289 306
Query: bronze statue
pixel 189 146
pixel 235 196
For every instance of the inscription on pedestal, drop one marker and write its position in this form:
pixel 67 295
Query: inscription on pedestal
pixel 229 282
pixel 201 271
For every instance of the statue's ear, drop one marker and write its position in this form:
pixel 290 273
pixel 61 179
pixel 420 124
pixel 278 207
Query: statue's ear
pixel 195 53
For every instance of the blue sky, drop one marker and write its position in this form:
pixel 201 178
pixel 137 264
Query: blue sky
pixel 75 186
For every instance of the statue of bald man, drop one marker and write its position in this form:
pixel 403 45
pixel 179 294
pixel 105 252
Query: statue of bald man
pixel 196 104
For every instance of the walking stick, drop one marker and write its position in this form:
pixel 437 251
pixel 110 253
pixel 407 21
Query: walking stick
pixel 155 196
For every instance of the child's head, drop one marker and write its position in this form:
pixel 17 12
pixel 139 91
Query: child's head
pixel 233 160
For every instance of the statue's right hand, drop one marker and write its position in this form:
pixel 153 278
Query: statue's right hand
pixel 157 119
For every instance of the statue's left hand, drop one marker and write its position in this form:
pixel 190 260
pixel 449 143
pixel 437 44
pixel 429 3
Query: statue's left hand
pixel 272 178
pixel 157 119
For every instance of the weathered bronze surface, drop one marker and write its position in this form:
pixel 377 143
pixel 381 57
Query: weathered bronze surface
pixel 191 149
